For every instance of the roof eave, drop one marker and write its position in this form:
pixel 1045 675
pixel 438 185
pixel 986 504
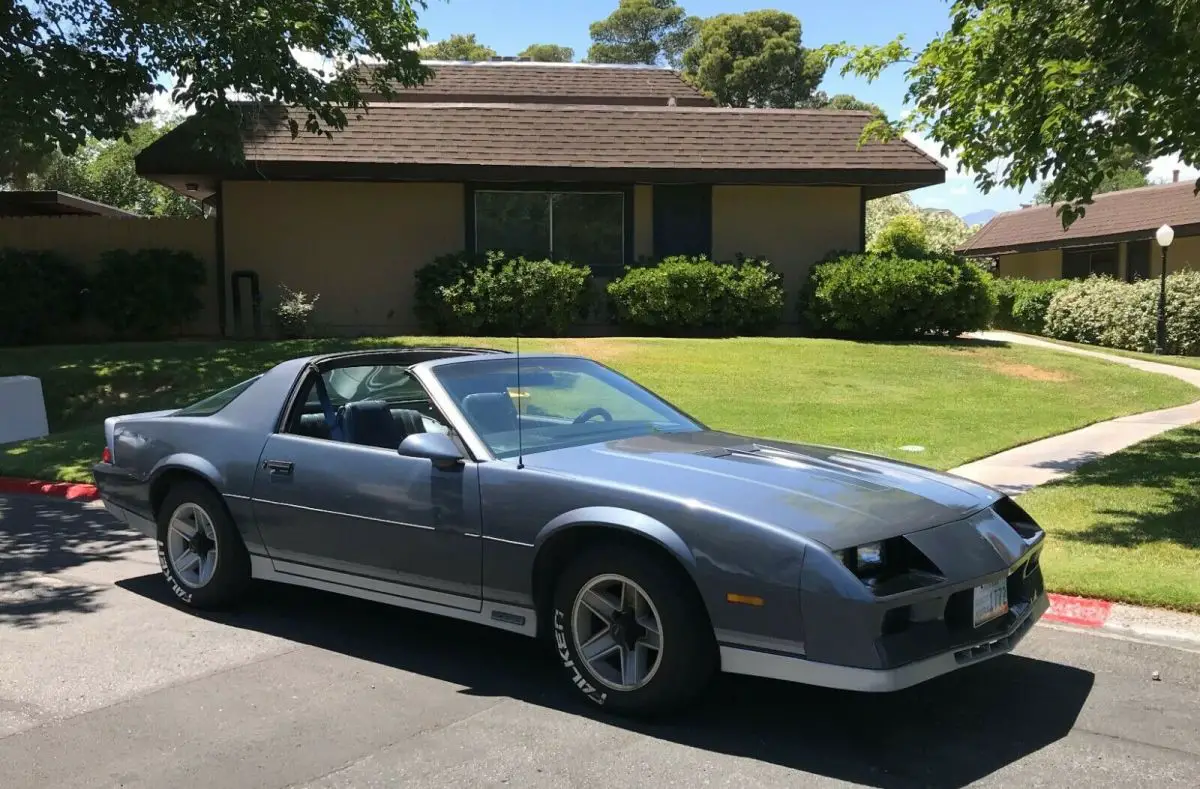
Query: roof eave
pixel 1145 234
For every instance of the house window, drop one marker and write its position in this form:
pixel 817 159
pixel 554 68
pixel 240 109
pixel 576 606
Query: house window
pixel 1083 262
pixel 581 227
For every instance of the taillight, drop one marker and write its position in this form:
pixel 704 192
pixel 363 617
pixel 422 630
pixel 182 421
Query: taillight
pixel 106 456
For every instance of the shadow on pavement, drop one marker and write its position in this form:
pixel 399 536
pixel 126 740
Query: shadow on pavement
pixel 950 732
pixel 42 536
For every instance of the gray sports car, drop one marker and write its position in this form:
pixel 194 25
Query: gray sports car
pixel 551 496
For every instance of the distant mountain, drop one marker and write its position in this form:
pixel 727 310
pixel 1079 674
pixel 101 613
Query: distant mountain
pixel 979 217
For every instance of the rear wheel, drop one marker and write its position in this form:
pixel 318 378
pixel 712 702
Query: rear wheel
pixel 199 547
pixel 631 632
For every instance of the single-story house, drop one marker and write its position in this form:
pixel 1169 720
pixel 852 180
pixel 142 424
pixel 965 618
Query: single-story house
pixel 603 165
pixel 1114 238
pixel 21 203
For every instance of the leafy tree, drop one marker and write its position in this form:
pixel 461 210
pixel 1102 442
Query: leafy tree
pixel 1124 170
pixel 1026 90
pixel 548 53
pixel 459 46
pixel 944 231
pixel 104 171
pixel 753 60
pixel 643 31
pixel 903 236
pixel 73 70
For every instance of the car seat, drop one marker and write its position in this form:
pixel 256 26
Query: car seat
pixel 370 423
pixel 492 412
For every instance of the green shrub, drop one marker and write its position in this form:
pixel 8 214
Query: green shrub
pixel 147 293
pixel 903 236
pixel 1101 311
pixel 878 297
pixel 684 295
pixel 40 294
pixel 1021 304
pixel 493 295
pixel 293 312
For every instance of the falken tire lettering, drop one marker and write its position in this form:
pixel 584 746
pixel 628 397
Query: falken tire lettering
pixel 179 591
pixel 564 654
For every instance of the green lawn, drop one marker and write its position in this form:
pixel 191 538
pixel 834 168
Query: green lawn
pixel 1127 527
pixel 1179 361
pixel 960 401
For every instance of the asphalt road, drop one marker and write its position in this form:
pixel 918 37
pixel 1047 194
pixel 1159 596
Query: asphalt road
pixel 104 682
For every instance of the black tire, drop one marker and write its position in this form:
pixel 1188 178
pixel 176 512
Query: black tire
pixel 687 659
pixel 231 573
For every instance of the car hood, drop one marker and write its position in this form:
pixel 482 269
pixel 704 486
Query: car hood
pixel 837 497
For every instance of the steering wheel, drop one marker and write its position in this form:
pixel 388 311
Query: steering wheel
pixel 591 412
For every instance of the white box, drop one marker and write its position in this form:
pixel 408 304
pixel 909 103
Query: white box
pixel 22 409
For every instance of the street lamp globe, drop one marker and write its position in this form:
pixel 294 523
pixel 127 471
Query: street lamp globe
pixel 1165 235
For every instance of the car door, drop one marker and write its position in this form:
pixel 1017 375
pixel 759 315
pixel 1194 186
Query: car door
pixel 368 517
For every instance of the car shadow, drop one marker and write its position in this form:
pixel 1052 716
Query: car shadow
pixel 947 733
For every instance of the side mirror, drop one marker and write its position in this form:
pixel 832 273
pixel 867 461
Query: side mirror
pixel 437 447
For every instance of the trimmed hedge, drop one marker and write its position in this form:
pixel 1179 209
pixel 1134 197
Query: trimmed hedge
pixel 889 298
pixel 1102 311
pixel 1021 304
pixel 147 293
pixel 688 295
pixel 494 295
pixel 40 294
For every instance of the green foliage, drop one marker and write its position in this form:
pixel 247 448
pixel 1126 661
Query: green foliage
pixel 1055 89
pixel 1102 311
pixel 753 60
pixel 494 295
pixel 820 100
pixel 459 46
pixel 40 293
pixel 944 231
pixel 293 312
pixel 104 171
pixel 684 295
pixel 643 31
pixel 903 237
pixel 888 298
pixel 147 293
pixel 77 70
pixel 1021 304
pixel 548 53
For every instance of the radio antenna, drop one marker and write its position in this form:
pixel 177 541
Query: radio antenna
pixel 520 391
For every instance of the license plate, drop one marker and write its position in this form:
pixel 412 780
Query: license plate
pixel 991 601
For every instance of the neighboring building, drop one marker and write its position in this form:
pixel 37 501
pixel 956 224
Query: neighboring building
pixel 1114 238
pixel 603 165
pixel 19 203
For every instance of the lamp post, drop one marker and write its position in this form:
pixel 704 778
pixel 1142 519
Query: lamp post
pixel 1164 237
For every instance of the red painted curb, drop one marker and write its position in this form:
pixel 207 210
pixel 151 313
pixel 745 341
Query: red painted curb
pixel 75 491
pixel 1081 611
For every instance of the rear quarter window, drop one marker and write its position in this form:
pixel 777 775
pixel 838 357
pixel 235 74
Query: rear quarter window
pixel 214 403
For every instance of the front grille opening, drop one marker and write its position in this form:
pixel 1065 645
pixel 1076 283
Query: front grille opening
pixel 910 557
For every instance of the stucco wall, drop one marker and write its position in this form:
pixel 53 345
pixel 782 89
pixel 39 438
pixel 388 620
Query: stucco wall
pixel 83 239
pixel 1032 265
pixel 792 226
pixel 355 244
pixel 1183 254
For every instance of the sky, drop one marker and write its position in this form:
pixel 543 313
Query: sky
pixel 508 26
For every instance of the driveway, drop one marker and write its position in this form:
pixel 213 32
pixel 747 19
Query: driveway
pixel 104 682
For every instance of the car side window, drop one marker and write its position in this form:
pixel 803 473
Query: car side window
pixel 375 405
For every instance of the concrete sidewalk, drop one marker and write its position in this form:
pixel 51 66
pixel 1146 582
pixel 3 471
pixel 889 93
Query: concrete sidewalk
pixel 1022 468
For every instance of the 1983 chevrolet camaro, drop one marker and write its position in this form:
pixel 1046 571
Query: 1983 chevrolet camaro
pixel 575 505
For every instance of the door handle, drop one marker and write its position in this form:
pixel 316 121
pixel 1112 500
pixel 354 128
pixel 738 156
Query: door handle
pixel 278 468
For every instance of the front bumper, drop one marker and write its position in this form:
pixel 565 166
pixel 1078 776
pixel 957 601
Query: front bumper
pixel 793 668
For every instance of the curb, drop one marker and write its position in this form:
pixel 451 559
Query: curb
pixel 1118 619
pixel 74 491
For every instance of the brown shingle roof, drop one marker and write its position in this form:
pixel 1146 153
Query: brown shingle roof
pixel 551 83
pixel 1129 213
pixel 535 135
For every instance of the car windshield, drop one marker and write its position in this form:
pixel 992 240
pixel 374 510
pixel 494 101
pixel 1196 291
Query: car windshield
pixel 561 402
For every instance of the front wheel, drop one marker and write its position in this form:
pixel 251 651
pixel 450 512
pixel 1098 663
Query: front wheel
pixel 199 548
pixel 631 632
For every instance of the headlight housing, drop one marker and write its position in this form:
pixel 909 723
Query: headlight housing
pixel 865 560
pixel 889 566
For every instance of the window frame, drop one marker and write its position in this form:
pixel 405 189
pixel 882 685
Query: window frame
pixel 1091 251
pixel 470 213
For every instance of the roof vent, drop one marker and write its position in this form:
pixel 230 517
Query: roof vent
pixel 671 102
pixel 1175 176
